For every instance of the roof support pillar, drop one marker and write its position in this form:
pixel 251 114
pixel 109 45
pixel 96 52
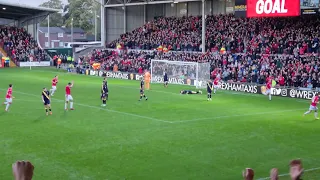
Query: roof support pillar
pixel 203 34
pixel 124 19
pixel 103 24
pixel 145 13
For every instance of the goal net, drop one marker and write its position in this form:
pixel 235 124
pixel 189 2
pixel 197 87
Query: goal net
pixel 180 72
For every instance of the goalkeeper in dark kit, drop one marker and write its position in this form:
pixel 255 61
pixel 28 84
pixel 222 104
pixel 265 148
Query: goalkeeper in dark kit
pixel 190 92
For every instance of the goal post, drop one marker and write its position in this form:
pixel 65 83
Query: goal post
pixel 180 72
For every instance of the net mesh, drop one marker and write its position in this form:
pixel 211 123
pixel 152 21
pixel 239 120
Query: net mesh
pixel 180 72
pixel 174 69
pixel 203 74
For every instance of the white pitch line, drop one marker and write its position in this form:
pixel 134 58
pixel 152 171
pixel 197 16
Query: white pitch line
pixel 95 107
pixel 171 122
pixel 22 100
pixel 237 115
pixel 287 174
pixel 182 121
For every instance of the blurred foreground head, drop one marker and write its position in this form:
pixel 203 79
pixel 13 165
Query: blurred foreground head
pixel 22 170
pixel 248 174
pixel 296 169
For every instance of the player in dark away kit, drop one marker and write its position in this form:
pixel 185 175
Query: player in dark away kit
pixel 45 95
pixel 165 79
pixel 104 93
pixel 142 90
pixel 190 92
pixel 104 89
pixel 209 90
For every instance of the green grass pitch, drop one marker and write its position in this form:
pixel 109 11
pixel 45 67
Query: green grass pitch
pixel 168 137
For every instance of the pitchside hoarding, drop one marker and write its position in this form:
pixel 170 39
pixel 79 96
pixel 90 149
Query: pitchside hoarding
pixel 35 64
pixel 238 87
pixel 273 8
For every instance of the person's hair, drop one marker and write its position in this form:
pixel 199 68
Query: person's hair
pixel 10 85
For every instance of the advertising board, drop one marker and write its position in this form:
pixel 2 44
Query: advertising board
pixel 35 64
pixel 239 87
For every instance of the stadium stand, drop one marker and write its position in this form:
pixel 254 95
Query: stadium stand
pixel 17 33
pixel 19 45
pixel 288 70
pixel 240 49
pixel 238 35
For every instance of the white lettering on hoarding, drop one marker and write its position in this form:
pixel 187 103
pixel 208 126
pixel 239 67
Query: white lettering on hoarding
pixel 268 6
pixel 138 77
pixel 198 83
pixel 158 79
pixel 275 91
pixel 117 75
pixel 35 64
pixel 240 87
pixel 302 94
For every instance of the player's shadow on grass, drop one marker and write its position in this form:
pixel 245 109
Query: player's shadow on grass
pixel 40 118
pixel 64 115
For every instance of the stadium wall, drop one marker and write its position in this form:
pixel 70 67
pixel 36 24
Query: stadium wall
pixel 114 23
pixel 154 10
pixel 120 20
pixel 135 17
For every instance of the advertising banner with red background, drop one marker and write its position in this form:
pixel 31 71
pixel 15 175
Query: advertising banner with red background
pixel 273 8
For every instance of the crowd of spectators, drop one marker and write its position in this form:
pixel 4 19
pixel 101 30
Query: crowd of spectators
pixel 254 48
pixel 287 70
pixel 20 45
pixel 113 60
pixel 289 35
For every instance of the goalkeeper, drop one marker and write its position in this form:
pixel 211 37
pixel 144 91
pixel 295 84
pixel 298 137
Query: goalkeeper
pixel 190 92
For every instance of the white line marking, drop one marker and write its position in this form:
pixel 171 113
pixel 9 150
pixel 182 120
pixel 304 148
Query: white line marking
pixel 171 122
pixel 237 115
pixel 181 121
pixel 95 107
pixel 128 87
pixel 22 100
pixel 287 174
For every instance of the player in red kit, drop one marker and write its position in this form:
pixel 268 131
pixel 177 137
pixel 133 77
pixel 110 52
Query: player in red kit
pixel 269 78
pixel 54 85
pixel 9 97
pixel 216 84
pixel 69 98
pixel 268 88
pixel 313 106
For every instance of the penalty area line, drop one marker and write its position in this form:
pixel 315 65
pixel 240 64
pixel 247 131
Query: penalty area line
pixel 109 110
pixel 287 174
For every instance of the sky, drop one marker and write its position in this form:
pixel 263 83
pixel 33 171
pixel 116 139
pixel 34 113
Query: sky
pixel 34 3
